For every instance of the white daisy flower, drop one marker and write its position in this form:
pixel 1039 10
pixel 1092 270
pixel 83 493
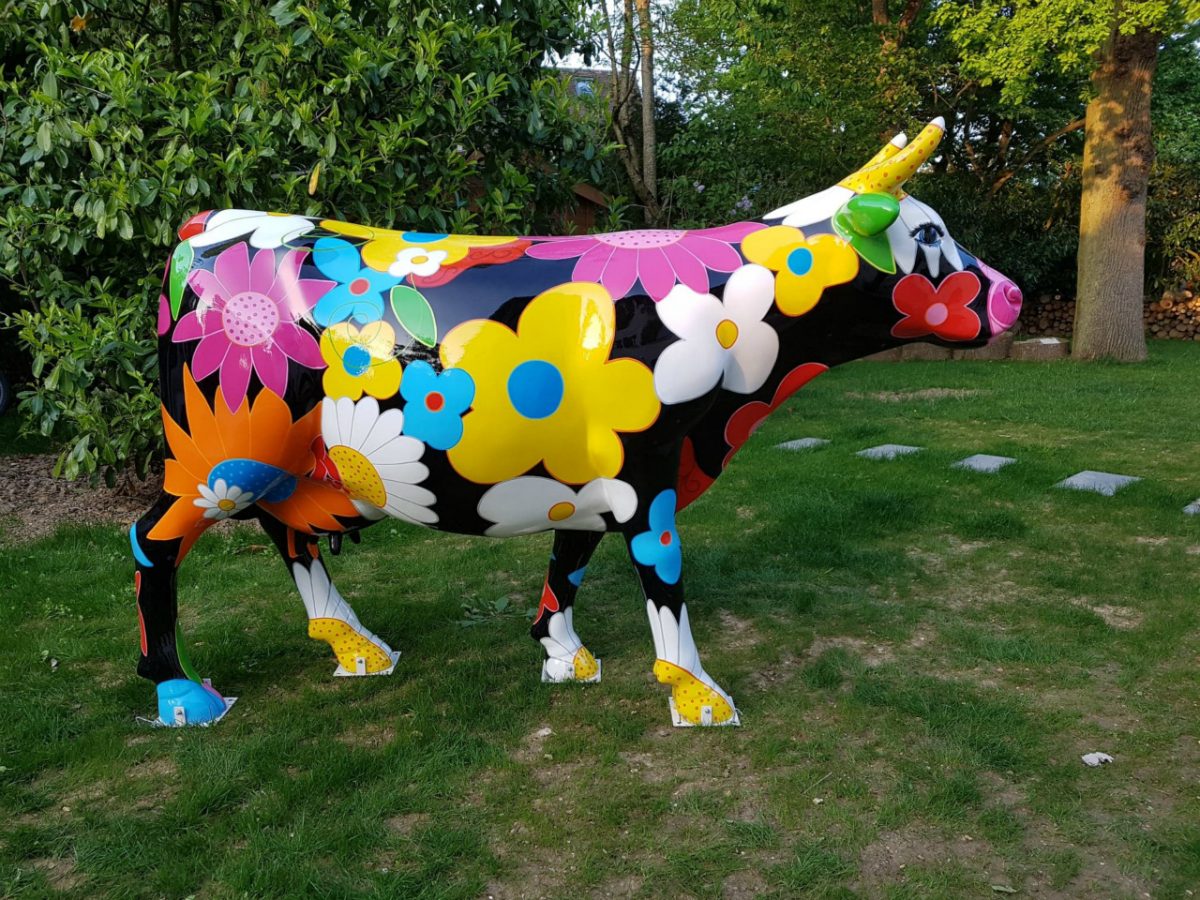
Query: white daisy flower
pixel 417 261
pixel 266 230
pixel 720 341
pixel 222 500
pixel 532 503
pixel 377 465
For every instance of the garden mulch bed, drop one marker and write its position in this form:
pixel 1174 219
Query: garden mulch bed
pixel 33 503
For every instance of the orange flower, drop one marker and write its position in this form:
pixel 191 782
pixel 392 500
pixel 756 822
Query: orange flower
pixel 260 450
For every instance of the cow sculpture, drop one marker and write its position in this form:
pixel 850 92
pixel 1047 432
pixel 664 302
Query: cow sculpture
pixel 319 376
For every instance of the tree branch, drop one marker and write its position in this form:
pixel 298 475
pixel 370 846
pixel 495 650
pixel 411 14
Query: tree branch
pixel 1044 144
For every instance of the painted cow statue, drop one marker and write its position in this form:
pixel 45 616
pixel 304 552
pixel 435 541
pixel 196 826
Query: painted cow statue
pixel 319 376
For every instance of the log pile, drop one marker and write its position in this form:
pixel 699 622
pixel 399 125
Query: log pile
pixel 1175 316
pixel 1048 316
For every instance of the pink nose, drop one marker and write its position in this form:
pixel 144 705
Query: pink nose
pixel 1004 300
pixel 1004 305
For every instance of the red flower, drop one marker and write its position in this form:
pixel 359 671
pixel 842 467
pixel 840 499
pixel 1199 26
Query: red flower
pixel 326 469
pixel 939 311
pixel 693 480
pixel 549 602
pixel 746 420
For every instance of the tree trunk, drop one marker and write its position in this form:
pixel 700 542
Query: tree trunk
pixel 649 139
pixel 1117 154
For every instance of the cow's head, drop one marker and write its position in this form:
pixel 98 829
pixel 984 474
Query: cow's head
pixel 914 282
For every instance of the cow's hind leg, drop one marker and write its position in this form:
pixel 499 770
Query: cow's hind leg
pixel 183 698
pixel 330 617
pixel 696 699
pixel 566 657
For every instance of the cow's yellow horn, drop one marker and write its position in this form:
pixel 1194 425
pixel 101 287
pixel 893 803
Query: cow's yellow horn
pixel 889 170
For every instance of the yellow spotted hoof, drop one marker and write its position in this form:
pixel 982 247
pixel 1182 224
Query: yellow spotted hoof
pixel 581 667
pixel 349 646
pixel 586 667
pixel 692 701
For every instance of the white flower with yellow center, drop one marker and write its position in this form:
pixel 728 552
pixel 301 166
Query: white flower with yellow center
pixel 222 500
pixel 417 261
pixel 532 503
pixel 377 465
pixel 720 341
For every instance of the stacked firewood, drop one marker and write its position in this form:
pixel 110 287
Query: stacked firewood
pixel 1175 316
pixel 1048 316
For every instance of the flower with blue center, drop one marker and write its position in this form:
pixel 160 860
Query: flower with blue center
pixel 360 291
pixel 659 547
pixel 435 403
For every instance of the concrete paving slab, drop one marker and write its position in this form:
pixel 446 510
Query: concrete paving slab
pixel 1105 483
pixel 809 443
pixel 984 462
pixel 888 451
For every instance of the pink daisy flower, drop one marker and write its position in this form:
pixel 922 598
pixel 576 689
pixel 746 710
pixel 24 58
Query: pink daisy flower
pixel 657 258
pixel 246 320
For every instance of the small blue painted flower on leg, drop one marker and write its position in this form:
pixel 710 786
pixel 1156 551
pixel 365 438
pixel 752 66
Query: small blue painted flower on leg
pixel 659 547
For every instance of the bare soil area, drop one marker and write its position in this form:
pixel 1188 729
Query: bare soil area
pixel 33 503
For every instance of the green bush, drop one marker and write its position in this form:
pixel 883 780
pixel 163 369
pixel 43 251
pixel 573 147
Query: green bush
pixel 118 126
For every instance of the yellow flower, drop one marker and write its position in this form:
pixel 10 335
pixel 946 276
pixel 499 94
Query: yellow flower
pixel 548 392
pixel 360 360
pixel 383 247
pixel 804 266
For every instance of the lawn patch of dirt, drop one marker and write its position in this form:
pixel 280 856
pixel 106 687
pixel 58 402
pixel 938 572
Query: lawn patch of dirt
pixel 59 872
pixel 908 396
pixel 737 633
pixel 39 502
pixel 1122 618
pixel 883 861
pixel 742 884
pixel 371 735
pixel 872 655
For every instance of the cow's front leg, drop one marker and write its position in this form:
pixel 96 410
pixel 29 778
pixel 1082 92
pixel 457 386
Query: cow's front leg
pixel 184 698
pixel 330 618
pixel 696 699
pixel 566 657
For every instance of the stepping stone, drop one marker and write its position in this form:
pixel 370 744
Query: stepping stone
pixel 1041 349
pixel 984 462
pixel 1192 509
pixel 1105 483
pixel 888 451
pixel 802 444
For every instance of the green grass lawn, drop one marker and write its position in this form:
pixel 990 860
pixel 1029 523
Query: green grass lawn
pixel 920 656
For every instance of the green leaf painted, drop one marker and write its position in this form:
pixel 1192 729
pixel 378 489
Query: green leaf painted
pixel 181 264
pixel 876 250
pixel 415 314
pixel 863 221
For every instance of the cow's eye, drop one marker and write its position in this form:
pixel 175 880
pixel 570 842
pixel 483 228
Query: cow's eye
pixel 929 234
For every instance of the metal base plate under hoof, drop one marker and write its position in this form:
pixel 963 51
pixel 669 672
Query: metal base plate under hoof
pixel 361 668
pixel 548 677
pixel 180 720
pixel 680 722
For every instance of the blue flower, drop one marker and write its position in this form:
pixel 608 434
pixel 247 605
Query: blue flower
pixel 659 547
pixel 360 292
pixel 434 404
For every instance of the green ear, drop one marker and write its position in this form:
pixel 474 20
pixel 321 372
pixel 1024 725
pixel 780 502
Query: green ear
pixel 869 214
pixel 862 221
